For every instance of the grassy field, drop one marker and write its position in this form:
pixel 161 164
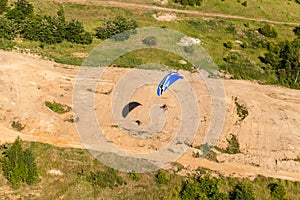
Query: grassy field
pixel 242 61
pixel 75 166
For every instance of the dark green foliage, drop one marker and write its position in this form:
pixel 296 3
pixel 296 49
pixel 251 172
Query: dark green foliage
pixel 189 2
pixel 233 145
pixel 297 30
pixel 242 192
pixel 297 1
pixel 8 29
pixel 57 107
pixel 19 166
pixel 74 32
pixel 162 177
pixel 202 188
pixel 268 31
pixel 102 179
pixel 228 44
pixel 150 41
pixel 119 24
pixel 241 110
pixel 284 60
pixel 245 3
pixel 277 190
pixel 134 176
pixel 17 126
pixel 3 4
pixel 21 10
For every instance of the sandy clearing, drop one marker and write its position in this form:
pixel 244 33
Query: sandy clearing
pixel 268 137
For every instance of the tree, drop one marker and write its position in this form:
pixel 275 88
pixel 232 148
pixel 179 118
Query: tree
pixel 242 192
pixel 21 10
pixel 19 165
pixel 202 188
pixel 119 24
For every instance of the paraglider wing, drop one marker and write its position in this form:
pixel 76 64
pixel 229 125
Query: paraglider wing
pixel 129 107
pixel 167 81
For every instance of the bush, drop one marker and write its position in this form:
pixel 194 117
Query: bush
pixel 162 178
pixel 268 31
pixel 134 176
pixel 277 190
pixel 150 41
pixel 19 166
pixel 8 29
pixel 3 7
pixel 189 2
pixel 242 192
pixel 233 145
pixel 103 179
pixel 228 44
pixel 17 126
pixel 57 107
pixel 241 110
pixel 21 10
pixel 297 30
pixel 115 26
pixel 245 3
pixel 202 188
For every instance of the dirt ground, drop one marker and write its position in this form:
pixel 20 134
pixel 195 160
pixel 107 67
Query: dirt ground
pixel 269 136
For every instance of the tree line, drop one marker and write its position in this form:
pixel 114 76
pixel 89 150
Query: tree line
pixel 21 20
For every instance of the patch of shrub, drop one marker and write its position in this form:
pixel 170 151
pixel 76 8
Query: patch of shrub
pixel 268 31
pixel 58 107
pixel 245 3
pixel 17 126
pixel 242 192
pixel 202 188
pixel 8 28
pixel 134 176
pixel 19 165
pixel 119 24
pixel 3 4
pixel 296 30
pixel 233 146
pixel 277 190
pixel 241 110
pixel 162 177
pixel 189 2
pixel 102 179
pixel 228 44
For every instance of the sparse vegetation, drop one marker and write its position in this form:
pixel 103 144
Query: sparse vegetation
pixel 233 146
pixel 241 110
pixel 57 107
pixel 18 126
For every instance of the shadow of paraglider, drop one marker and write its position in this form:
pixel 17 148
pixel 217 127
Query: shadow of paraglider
pixel 129 107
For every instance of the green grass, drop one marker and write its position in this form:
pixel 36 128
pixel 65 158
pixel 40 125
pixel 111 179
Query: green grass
pixel 57 107
pixel 241 62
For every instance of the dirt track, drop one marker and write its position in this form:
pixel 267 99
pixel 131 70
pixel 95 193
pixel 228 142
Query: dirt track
pixel 269 137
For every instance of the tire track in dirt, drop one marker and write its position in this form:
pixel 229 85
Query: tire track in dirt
pixel 164 9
